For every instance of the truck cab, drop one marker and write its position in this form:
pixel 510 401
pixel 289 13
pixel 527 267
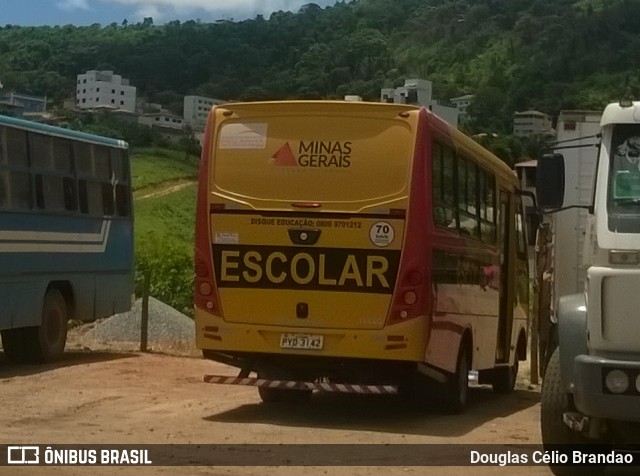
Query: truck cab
pixel 591 388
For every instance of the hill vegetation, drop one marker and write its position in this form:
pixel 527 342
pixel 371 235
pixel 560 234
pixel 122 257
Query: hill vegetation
pixel 513 54
pixel 164 207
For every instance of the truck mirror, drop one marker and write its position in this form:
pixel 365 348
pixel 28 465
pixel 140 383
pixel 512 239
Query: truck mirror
pixel 550 181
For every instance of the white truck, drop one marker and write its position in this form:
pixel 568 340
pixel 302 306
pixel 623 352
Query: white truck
pixel 591 386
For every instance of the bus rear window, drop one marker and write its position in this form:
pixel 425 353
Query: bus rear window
pixel 314 158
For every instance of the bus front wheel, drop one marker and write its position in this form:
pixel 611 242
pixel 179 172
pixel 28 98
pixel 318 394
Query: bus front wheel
pixel 52 332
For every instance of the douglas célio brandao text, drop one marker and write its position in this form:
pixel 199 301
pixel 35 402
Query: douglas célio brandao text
pixel 569 456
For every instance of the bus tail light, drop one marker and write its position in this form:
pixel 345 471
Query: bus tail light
pixel 205 289
pixel 205 295
pixel 410 298
pixel 407 302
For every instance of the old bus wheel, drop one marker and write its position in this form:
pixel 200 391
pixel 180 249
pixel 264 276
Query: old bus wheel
pixel 52 333
pixel 457 388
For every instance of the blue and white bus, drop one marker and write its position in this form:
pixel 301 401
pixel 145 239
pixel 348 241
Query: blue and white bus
pixel 66 234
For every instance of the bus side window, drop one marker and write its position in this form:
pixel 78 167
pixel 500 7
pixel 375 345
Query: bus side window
pixel 488 207
pixel 520 231
pixel 15 179
pixel 95 185
pixel 52 160
pixel 121 176
pixel 103 174
pixel 443 185
pixel 63 163
pixel 467 197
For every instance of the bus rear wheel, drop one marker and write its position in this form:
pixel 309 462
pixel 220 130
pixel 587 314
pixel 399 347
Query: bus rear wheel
pixel 457 388
pixel 52 333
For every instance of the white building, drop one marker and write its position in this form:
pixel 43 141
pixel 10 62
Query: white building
pixel 414 91
pixel 420 92
pixel 104 89
pixel 196 110
pixel 528 123
pixel 462 103
pixel 162 119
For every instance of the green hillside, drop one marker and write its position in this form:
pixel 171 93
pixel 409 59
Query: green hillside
pixel 164 209
pixel 513 54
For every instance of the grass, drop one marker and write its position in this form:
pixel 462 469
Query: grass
pixel 153 167
pixel 164 224
pixel 167 218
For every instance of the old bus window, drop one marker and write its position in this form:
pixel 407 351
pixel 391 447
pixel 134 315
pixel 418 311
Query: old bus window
pixel 119 165
pixel 102 162
pixel 95 198
pixel 55 187
pixel 13 150
pixel 52 190
pixel 122 200
pixel 90 196
pixel 62 156
pixel 15 189
pixel 121 176
pixel 15 180
pixel 443 185
pixel 40 151
pixel 83 153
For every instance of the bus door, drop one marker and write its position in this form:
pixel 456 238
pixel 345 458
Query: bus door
pixel 505 316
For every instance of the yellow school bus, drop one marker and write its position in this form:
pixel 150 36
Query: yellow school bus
pixel 356 247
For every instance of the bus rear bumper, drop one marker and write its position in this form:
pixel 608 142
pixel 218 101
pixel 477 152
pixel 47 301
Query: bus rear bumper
pixel 396 343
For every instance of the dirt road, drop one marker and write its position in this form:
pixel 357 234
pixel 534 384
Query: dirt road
pixel 131 398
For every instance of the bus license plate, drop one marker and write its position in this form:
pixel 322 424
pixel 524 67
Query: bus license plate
pixel 301 341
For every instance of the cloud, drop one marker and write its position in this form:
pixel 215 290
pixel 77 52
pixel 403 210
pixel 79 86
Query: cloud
pixel 73 4
pixel 167 9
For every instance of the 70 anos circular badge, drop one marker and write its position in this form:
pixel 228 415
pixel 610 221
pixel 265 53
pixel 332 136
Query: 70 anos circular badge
pixel 381 234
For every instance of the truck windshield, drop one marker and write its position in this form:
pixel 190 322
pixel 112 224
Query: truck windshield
pixel 624 179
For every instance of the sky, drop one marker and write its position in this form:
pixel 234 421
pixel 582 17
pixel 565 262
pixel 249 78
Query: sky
pixel 105 12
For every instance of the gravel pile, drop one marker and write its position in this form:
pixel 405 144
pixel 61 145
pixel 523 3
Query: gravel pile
pixel 168 329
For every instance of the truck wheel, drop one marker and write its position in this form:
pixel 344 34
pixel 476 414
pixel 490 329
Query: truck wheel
pixel 554 402
pixel 457 388
pixel 52 332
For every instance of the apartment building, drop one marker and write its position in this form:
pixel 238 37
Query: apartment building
pixel 196 109
pixel 104 89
